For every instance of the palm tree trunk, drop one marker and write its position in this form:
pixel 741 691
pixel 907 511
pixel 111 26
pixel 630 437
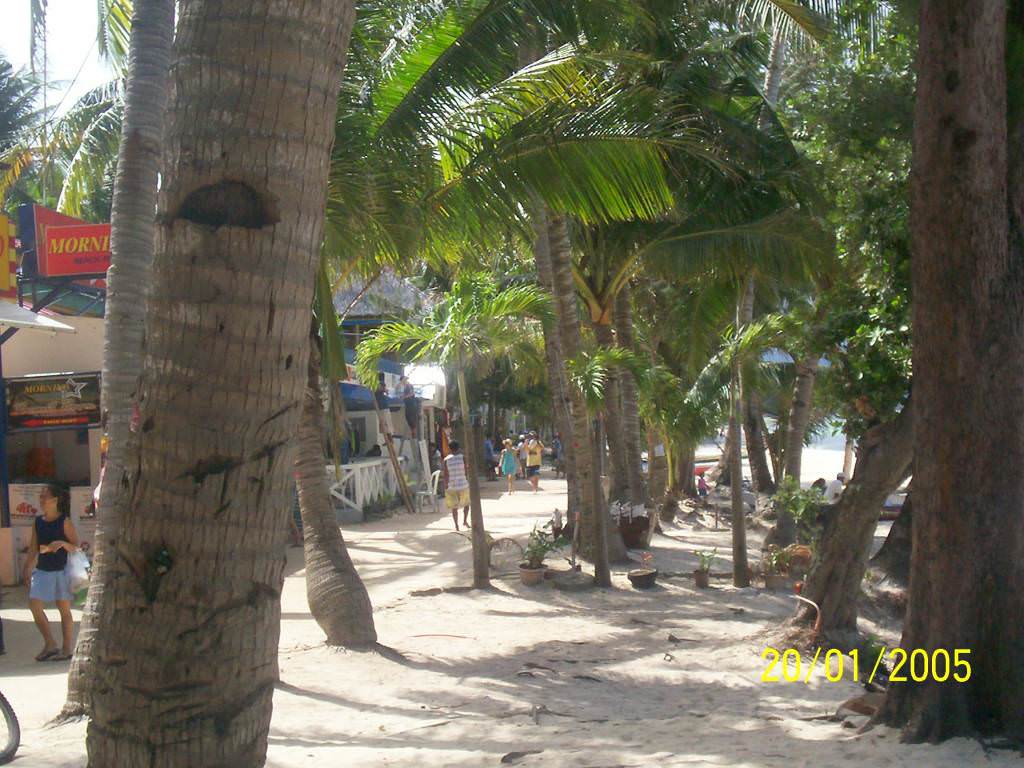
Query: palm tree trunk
pixel 773 75
pixel 555 362
pixel 740 568
pixel 774 440
pixel 613 424
pixel 194 594
pixel 594 518
pixel 759 471
pixel 630 402
pixel 756 451
pixel 800 415
pixel 481 555
pixel 133 226
pixel 337 596
pixel 685 467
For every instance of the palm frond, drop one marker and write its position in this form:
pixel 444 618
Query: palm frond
pixel 787 246
pixel 113 33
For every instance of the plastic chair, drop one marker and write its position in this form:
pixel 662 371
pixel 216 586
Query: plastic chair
pixel 431 493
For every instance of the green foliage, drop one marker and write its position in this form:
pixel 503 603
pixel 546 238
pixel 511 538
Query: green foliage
pixel 540 543
pixel 774 560
pixel 801 505
pixel 476 320
pixel 114 30
pixel 589 372
pixel 854 118
pixel 706 559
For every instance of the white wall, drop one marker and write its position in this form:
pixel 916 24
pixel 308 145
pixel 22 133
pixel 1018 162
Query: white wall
pixel 30 352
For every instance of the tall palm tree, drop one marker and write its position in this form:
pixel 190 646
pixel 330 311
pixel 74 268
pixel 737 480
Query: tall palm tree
pixel 240 220
pixel 337 596
pixel 475 321
pixel 133 228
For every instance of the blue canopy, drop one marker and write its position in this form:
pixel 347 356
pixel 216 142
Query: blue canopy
pixel 360 398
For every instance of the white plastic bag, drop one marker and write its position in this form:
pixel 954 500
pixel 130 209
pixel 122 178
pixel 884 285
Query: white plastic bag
pixel 77 570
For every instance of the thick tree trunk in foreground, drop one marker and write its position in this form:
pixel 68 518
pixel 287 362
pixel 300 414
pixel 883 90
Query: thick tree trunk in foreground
pixel 614 429
pixel 836 575
pixel 481 553
pixel 894 555
pixel 800 415
pixel 555 363
pixel 967 568
pixel 594 517
pixel 337 597
pixel 626 339
pixel 186 643
pixel 133 226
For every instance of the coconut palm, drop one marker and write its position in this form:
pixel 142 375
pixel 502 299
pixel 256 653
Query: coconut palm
pixel 195 594
pixel 337 596
pixel 132 232
pixel 474 321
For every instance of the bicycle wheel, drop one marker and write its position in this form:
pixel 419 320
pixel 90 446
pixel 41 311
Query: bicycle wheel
pixel 10 732
pixel 505 555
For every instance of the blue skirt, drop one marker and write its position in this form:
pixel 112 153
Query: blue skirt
pixel 50 586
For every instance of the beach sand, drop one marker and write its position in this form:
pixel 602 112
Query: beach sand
pixel 620 677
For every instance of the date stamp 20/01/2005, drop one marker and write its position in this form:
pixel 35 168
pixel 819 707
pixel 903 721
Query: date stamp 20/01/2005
pixel 918 665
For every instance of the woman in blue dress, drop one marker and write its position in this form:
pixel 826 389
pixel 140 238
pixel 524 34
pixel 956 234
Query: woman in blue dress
pixel 509 464
pixel 53 537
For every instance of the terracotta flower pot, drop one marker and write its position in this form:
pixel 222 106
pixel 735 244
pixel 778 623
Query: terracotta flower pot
pixel 776 581
pixel 701 578
pixel 531 576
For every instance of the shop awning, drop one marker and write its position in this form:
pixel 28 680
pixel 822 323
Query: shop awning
pixel 13 316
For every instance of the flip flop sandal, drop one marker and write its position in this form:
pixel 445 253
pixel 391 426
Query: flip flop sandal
pixel 46 655
pixel 60 657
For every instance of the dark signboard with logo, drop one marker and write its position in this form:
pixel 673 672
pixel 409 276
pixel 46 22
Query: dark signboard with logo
pixel 57 401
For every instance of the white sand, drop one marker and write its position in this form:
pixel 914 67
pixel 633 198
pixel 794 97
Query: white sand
pixel 587 679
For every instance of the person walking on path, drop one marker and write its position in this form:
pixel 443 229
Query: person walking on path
pixel 456 484
pixel 509 464
pixel 534 455
pixel 53 537
pixel 489 460
pixel 521 453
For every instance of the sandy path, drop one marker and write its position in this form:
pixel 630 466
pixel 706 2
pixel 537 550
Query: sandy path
pixel 587 679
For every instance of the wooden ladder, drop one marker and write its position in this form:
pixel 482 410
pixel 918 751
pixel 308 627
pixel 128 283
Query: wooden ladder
pixel 396 465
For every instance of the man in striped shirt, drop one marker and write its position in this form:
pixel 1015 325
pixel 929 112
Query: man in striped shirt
pixel 456 484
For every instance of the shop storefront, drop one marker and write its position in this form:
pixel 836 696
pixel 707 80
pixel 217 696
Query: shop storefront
pixel 49 380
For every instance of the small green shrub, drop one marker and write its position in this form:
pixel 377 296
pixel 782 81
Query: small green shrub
pixel 800 504
pixel 706 558
pixel 541 542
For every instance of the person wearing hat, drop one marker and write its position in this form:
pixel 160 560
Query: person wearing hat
pixel 835 489
pixel 534 454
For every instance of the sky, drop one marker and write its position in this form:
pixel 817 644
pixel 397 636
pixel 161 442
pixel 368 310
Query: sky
pixel 71 35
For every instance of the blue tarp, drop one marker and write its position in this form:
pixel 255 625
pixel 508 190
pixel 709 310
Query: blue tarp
pixel 359 398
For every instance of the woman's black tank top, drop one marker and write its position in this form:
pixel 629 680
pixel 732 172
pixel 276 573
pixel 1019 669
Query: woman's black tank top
pixel 47 532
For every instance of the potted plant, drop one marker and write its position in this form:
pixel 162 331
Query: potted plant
pixel 645 576
pixel 775 564
pixel 531 570
pixel 701 575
